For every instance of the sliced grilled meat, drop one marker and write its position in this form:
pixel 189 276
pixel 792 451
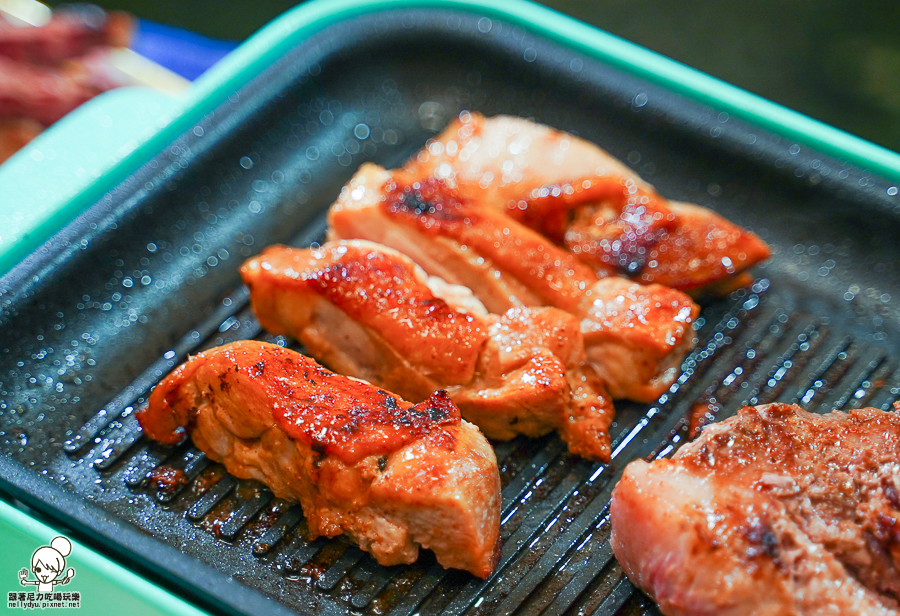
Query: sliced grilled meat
pixel 392 475
pixel 583 198
pixel 774 511
pixel 370 312
pixel 635 336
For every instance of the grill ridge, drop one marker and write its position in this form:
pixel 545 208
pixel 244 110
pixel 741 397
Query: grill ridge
pixel 274 535
pixel 604 556
pixel 190 465
pixel 869 363
pixel 199 197
pixel 212 497
pixel 378 578
pixel 115 441
pixel 248 510
pixel 881 396
pixel 622 592
pixel 814 381
pixel 233 313
pixel 751 346
pixel 525 585
pixel 148 458
pixel 336 572
pixel 291 563
pixel 571 585
pixel 773 351
pixel 158 369
pixel 512 494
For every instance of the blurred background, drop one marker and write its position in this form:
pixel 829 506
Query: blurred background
pixel 835 60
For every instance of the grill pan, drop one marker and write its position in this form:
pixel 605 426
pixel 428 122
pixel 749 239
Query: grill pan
pixel 148 273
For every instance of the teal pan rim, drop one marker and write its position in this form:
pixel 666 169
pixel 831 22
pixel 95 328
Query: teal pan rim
pixel 97 575
pixel 263 48
pixel 269 44
pixel 258 51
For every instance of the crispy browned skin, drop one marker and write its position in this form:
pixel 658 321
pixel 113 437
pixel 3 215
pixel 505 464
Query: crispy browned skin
pixel 635 336
pixel 554 276
pixel 774 511
pixel 369 311
pixel 582 198
pixel 392 475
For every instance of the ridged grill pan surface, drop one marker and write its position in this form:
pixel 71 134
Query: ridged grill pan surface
pixel 94 319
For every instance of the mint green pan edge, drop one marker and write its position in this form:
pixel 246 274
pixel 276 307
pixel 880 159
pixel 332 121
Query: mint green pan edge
pixel 38 195
pixel 93 149
pixel 104 586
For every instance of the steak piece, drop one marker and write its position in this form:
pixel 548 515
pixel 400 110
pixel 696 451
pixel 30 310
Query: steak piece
pixel 635 336
pixel 392 475
pixel 370 312
pixel 773 511
pixel 584 199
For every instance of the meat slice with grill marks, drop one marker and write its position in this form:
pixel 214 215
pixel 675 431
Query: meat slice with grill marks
pixel 392 475
pixel 369 311
pixel 774 511
pixel 584 199
pixel 635 336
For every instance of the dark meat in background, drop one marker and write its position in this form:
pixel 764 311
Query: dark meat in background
pixel 47 71
pixel 71 32
pixel 45 94
pixel 774 511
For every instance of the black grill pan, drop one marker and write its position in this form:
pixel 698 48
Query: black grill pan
pixel 148 274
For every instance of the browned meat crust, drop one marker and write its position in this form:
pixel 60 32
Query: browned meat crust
pixel 392 475
pixel 582 198
pixel 382 290
pixel 774 511
pixel 554 276
pixel 635 336
pixel 370 312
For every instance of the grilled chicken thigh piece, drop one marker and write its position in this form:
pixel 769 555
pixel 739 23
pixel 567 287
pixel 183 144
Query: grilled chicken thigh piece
pixel 392 475
pixel 369 311
pixel 635 336
pixel 581 197
pixel 774 511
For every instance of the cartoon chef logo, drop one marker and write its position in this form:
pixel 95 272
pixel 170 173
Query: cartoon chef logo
pixel 48 563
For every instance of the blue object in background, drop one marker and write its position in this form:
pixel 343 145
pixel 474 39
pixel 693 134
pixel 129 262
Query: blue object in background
pixel 179 50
